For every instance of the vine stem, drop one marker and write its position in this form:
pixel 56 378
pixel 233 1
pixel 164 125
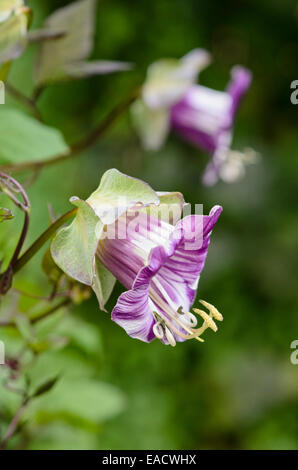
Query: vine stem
pixel 28 102
pixel 86 142
pixel 14 424
pixel 42 239
pixel 10 187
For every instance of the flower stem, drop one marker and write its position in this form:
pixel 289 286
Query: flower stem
pixel 44 237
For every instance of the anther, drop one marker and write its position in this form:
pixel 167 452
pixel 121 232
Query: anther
pixel 207 319
pixel 213 311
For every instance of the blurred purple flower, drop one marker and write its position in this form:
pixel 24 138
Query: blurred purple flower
pixel 205 117
pixel 160 265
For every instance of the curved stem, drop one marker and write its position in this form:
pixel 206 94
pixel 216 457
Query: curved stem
pixel 11 186
pixel 44 237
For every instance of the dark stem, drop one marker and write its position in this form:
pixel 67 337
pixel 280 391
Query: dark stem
pixel 28 102
pixel 41 316
pixel 50 311
pixel 37 94
pixel 44 237
pixel 10 186
pixel 40 35
pixel 21 240
pixel 14 424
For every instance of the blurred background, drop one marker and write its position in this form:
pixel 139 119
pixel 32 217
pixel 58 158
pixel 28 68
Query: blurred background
pixel 239 389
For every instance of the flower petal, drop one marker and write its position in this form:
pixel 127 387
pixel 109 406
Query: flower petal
pixel 177 266
pixel 134 313
pixel 179 274
pixel 238 86
pixel 202 115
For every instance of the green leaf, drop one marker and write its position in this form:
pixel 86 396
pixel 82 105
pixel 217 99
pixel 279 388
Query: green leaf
pixel 80 402
pixel 82 335
pixel 77 22
pixel 4 70
pixel 50 343
pixel 152 126
pixel 13 29
pixel 24 139
pixel 61 436
pixel 45 387
pixel 74 247
pixel 24 326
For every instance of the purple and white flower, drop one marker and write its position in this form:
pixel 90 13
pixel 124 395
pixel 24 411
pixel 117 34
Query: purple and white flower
pixel 160 266
pixel 125 231
pixel 205 117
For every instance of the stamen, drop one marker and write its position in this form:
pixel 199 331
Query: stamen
pixel 173 316
pixel 213 311
pixel 167 321
pixel 158 330
pixel 207 319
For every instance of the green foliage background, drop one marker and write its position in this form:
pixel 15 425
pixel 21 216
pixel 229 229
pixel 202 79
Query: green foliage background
pixel 239 389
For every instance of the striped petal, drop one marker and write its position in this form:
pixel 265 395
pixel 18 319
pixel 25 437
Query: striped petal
pixel 134 314
pixel 172 273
